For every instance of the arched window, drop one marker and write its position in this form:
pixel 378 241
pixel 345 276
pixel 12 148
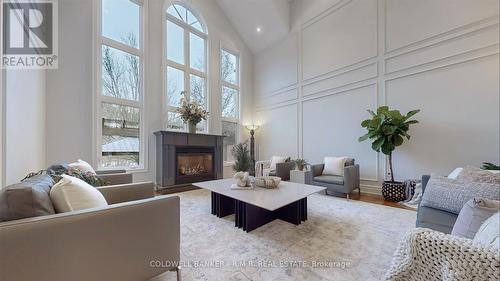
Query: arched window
pixel 186 63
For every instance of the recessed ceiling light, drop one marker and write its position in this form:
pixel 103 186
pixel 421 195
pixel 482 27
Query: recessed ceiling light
pixel 259 29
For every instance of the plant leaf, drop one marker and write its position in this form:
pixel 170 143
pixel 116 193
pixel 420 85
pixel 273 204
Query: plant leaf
pixel 382 109
pixel 388 148
pixel 377 144
pixel 397 140
pixel 366 123
pixel 371 112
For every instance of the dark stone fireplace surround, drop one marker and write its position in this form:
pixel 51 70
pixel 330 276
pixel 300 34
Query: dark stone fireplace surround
pixel 171 144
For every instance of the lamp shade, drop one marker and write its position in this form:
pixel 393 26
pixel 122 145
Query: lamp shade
pixel 252 127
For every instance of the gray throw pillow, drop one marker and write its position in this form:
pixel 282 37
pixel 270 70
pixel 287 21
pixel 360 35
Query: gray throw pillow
pixel 475 174
pixel 473 214
pixel 29 198
pixel 451 195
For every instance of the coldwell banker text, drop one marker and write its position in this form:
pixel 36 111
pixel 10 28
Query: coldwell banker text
pixel 29 34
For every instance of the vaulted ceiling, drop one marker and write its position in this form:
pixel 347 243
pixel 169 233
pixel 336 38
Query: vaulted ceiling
pixel 260 23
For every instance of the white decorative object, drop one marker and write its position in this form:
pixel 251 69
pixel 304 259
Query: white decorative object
pixel 72 194
pixel 334 166
pixel 275 160
pixel 241 178
pixel 267 182
pixel 488 233
pixel 454 174
pixel 83 166
pixel 426 254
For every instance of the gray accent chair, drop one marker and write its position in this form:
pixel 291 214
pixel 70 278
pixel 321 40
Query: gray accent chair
pixel 434 218
pixel 344 184
pixel 282 169
pixel 120 242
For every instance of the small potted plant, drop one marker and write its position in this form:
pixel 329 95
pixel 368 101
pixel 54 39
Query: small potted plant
pixel 241 154
pixel 191 113
pixel 387 130
pixel 300 164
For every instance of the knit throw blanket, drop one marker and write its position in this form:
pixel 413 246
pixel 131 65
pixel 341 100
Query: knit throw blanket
pixel 429 255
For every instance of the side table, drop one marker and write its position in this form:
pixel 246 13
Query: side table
pixel 304 177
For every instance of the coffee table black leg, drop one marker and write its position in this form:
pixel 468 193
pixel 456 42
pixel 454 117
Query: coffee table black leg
pixel 256 217
pixel 222 205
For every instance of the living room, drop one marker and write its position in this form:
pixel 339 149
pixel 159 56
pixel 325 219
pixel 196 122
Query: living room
pixel 249 140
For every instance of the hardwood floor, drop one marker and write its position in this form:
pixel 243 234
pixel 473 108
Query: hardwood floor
pixel 369 198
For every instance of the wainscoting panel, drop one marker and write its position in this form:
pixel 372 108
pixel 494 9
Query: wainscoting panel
pixel 488 36
pixel 278 67
pixel 410 21
pixel 278 133
pixel 280 97
pixel 342 38
pixel 346 78
pixel 331 127
pixel 459 118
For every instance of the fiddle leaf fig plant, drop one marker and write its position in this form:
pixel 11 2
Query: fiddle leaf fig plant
pixel 387 129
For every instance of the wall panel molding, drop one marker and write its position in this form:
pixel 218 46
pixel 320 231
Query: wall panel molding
pixel 375 65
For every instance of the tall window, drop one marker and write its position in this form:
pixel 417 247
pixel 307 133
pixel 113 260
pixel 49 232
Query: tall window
pixel 230 98
pixel 186 63
pixel 120 85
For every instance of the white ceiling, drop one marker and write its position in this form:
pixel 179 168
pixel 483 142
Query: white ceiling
pixel 271 16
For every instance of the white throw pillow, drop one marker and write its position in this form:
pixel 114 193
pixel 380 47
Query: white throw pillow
pixel 72 194
pixel 275 160
pixel 488 233
pixel 334 166
pixel 83 166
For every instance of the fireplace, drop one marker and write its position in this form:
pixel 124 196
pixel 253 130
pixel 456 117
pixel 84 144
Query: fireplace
pixel 182 158
pixel 194 164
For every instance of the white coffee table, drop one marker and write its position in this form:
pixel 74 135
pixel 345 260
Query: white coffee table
pixel 254 208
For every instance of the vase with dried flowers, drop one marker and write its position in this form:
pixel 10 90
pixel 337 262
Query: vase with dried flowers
pixel 191 113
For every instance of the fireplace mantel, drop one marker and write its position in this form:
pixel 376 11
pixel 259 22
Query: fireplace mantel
pixel 168 144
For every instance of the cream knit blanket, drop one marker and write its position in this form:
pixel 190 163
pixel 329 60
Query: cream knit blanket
pixel 429 255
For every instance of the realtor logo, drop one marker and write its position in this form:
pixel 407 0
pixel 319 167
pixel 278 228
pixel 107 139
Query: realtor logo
pixel 29 34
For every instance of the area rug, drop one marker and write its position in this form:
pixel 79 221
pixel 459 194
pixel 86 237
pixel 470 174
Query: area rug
pixel 341 240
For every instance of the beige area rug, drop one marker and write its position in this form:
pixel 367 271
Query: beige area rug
pixel 341 240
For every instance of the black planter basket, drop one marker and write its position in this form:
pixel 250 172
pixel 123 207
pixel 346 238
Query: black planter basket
pixel 394 191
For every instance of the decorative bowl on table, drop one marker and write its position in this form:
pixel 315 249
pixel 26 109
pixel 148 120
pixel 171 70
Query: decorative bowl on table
pixel 267 182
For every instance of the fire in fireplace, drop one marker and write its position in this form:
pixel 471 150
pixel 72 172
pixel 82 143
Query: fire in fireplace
pixel 194 164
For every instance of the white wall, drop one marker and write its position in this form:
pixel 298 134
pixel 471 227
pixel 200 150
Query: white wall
pixel 343 57
pixel 24 127
pixel 70 89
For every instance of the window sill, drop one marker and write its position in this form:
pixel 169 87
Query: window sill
pixel 127 170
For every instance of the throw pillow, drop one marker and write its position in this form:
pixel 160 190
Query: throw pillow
pixel 277 159
pixel 473 215
pixel 72 194
pixel 334 166
pixel 451 195
pixel 471 173
pixel 29 198
pixel 488 233
pixel 82 166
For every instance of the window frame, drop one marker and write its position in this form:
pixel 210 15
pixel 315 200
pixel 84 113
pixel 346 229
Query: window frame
pixel 236 87
pixel 186 68
pixel 99 41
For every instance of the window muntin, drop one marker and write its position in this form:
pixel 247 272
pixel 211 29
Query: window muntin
pixel 230 100
pixel 186 56
pixel 120 94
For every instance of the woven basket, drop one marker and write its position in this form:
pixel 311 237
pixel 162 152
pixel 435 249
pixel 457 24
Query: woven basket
pixel 267 182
